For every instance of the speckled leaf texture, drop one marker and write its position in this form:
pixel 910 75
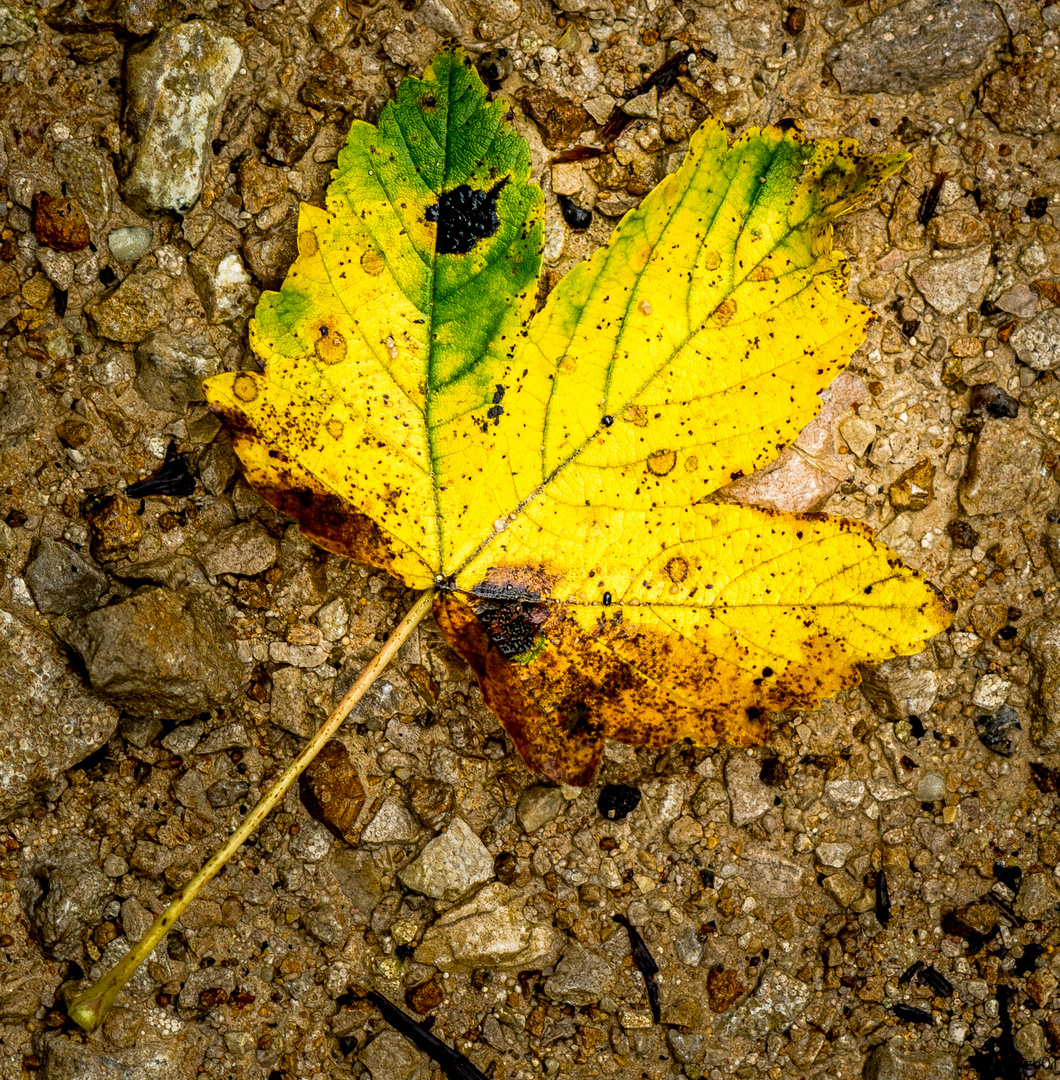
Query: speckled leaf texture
pixel 554 476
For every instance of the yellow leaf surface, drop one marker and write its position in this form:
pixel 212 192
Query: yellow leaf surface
pixel 553 477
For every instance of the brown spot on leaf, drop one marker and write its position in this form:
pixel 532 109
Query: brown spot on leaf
pixel 661 462
pixel 245 387
pixel 724 312
pixel 307 242
pixel 372 263
pixel 334 428
pixel 677 569
pixel 330 346
pixel 636 415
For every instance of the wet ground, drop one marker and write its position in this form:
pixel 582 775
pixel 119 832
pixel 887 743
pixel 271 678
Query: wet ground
pixel 873 894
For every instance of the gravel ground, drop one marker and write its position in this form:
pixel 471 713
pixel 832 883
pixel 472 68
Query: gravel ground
pixel 873 894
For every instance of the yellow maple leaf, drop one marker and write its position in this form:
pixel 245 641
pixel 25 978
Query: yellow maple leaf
pixel 552 477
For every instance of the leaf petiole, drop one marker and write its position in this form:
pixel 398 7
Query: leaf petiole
pixel 90 1007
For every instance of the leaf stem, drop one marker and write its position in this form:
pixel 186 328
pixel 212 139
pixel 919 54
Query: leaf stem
pixel 90 1007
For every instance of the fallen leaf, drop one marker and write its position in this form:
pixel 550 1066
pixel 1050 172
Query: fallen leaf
pixel 553 477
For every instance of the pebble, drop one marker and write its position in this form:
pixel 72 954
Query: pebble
pixel 451 865
pixel 58 267
pixel 1001 471
pixel 392 824
pixel 559 119
pixel 51 721
pixel 1023 96
pixel 63 581
pixel 160 653
pixel 844 796
pixel 17 25
pixel 63 903
pixel 724 989
pixel 245 549
pixel 954 284
pixel 1037 342
pixel 538 806
pixel 170 369
pixel 779 1000
pixel 390 1056
pixel 834 855
pixel 289 136
pixel 887 1062
pixel 916 45
pixel 1021 300
pixel 176 86
pixel 289 707
pixel 842 888
pixel 931 787
pixel 1030 1042
pixel 1037 896
pixel 223 285
pixel 582 977
pixel 136 308
pixel 65 1058
pixel 432 801
pixel 858 433
pixel 914 489
pixel 129 243
pixel 59 223
pixel 360 877
pixel 489 931
pixel 332 792
pixel 991 692
pixel 748 796
pixel 769 873
pixel 227 792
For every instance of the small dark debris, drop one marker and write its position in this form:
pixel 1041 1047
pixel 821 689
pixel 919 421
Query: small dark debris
pixel 1046 780
pixel 107 275
pixel 452 1063
pixel 883 899
pixel 910 972
pixel 931 976
pixel 663 78
pixel 962 535
pixel 577 218
pixel 929 201
pixel 912 1014
pixel 1038 206
pixel 617 801
pixel 999 1059
pixel 994 731
pixel 995 402
pixel 1008 875
pixel 173 478
pixel 774 773
pixel 644 963
pixel 916 726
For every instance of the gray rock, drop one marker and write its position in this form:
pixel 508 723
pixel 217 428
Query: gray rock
pixel 581 977
pixel 171 571
pixel 1030 1042
pixel 685 1046
pixel 776 1004
pixel 224 286
pixel 490 931
pixel 916 45
pixel 129 244
pixel 390 1056
pixel 769 873
pixel 170 370
pixel 51 721
pixel 227 792
pixel 537 806
pixel 324 923
pixel 360 877
pixel 289 707
pixel 17 25
pixel 184 737
pixel 62 580
pixel 451 865
pixel 230 736
pixel 1002 469
pixel 899 688
pixel 141 731
pixel 58 267
pixel 65 1058
pixel 217 465
pixel 833 855
pixel 886 1062
pixel 176 86
pixel 931 787
pixel 189 791
pixel 20 407
pixel 86 175
pixel 750 798
pixel 955 284
pixel 62 902
pixel 394 824
pixel 245 549
pixel 1037 896
pixel 160 653
pixel 136 308
pixel 1037 342
pixel 844 796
